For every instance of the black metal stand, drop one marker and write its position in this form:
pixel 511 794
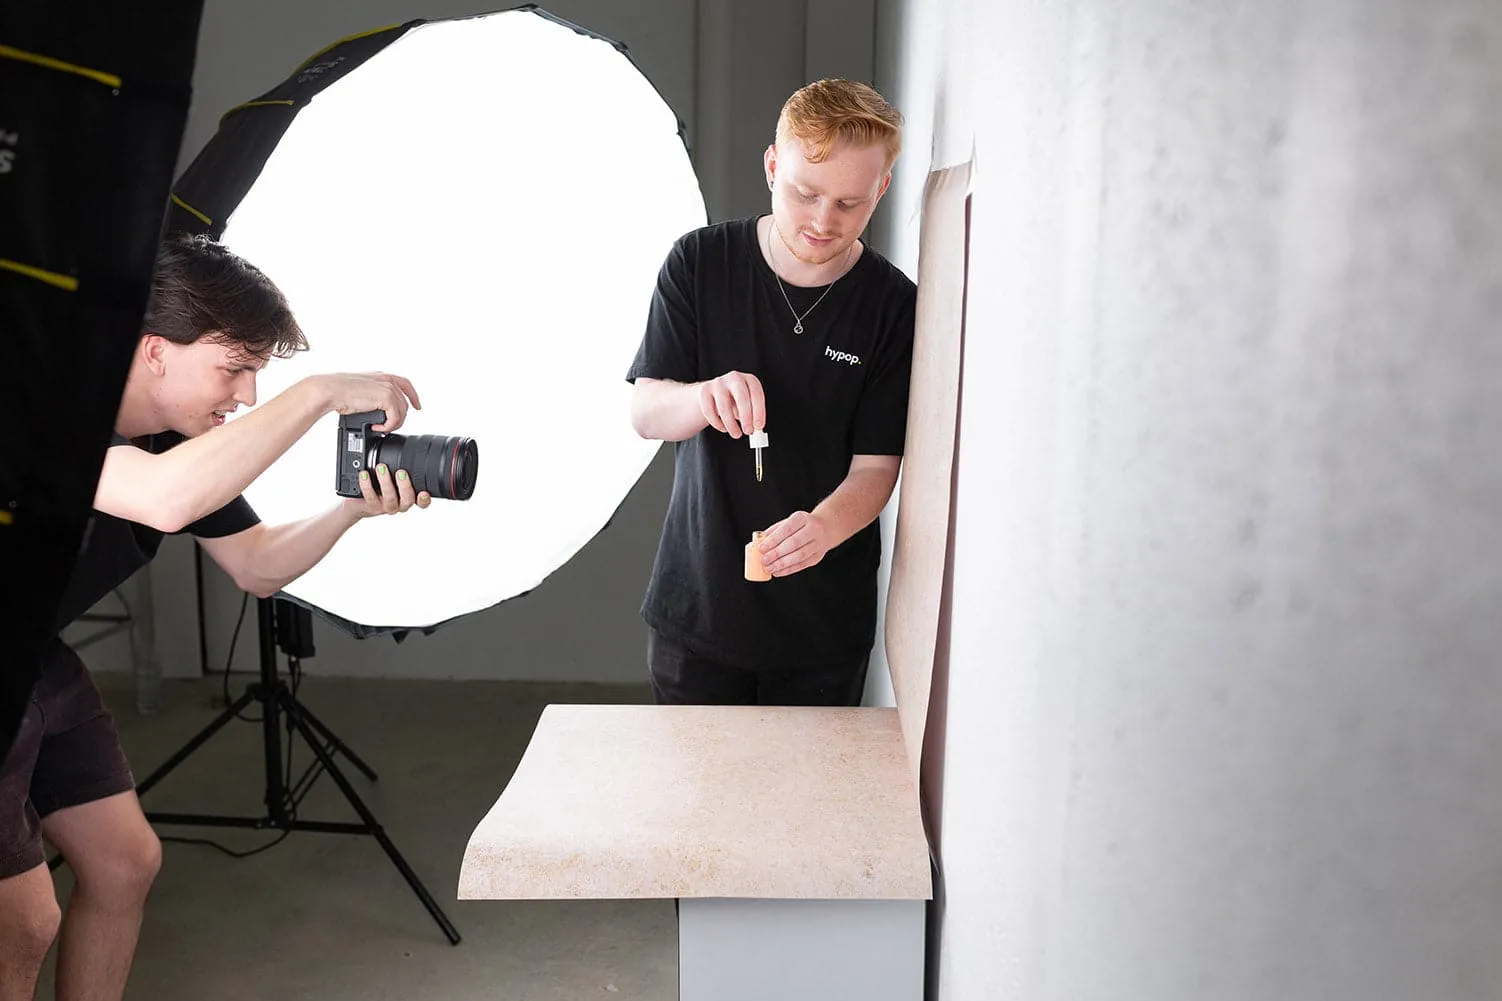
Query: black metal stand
pixel 277 701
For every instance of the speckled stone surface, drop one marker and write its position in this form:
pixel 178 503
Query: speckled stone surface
pixel 705 801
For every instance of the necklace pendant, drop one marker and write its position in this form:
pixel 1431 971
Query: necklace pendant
pixel 797 328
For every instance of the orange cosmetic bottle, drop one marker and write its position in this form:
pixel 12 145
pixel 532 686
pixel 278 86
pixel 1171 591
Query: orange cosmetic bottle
pixel 754 569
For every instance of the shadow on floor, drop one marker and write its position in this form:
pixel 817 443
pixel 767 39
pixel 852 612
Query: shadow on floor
pixel 327 916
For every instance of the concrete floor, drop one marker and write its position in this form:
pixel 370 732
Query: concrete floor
pixel 327 916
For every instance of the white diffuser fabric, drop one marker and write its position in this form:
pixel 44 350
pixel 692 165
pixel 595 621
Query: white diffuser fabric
pixel 483 208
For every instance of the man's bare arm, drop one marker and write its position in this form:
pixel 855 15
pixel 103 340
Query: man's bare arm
pixel 665 410
pixel 202 474
pixel 859 498
pixel 803 538
pixel 673 411
pixel 263 559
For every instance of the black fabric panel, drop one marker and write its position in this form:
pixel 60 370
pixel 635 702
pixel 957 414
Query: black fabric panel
pixel 85 171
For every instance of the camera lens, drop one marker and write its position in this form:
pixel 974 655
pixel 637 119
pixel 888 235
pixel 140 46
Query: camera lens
pixel 445 467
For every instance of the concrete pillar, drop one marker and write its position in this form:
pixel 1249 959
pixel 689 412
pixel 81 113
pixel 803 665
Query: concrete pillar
pixel 1224 712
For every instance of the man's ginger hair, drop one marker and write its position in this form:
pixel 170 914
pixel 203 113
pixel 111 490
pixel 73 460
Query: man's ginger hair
pixel 829 113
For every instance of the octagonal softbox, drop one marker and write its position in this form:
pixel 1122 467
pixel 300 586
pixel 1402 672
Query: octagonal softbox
pixel 481 205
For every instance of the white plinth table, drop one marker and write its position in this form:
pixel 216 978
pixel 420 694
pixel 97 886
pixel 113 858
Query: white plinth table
pixel 791 838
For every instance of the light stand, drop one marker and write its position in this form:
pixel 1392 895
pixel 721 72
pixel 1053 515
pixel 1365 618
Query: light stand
pixel 286 626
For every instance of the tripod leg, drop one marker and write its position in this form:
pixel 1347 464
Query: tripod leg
pixel 335 742
pixel 295 714
pixel 198 741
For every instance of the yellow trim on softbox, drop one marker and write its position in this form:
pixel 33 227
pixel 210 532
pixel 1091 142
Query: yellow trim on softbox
pixel 47 62
pixel 257 104
pixel 329 48
pixel 65 282
pixel 184 205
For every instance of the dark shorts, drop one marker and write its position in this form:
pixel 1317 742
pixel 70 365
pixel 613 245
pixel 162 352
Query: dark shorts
pixel 682 677
pixel 66 752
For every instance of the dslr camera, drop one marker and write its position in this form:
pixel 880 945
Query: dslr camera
pixel 443 466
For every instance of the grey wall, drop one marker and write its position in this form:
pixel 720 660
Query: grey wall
pixel 751 57
pixel 1224 718
pixel 725 68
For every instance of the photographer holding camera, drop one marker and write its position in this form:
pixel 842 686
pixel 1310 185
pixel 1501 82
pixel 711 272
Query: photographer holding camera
pixel 212 322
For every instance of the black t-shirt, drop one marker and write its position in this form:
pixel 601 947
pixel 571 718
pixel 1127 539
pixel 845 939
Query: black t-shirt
pixel 837 390
pixel 114 548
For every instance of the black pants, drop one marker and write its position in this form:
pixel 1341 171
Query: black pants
pixel 682 677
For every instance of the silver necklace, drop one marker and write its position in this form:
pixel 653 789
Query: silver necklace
pixel 798 320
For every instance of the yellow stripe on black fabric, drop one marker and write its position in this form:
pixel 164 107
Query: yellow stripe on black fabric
pixel 256 104
pixel 47 62
pixel 65 282
pixel 329 48
pixel 184 205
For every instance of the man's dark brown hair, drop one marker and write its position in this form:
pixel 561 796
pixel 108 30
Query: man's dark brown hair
pixel 201 288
